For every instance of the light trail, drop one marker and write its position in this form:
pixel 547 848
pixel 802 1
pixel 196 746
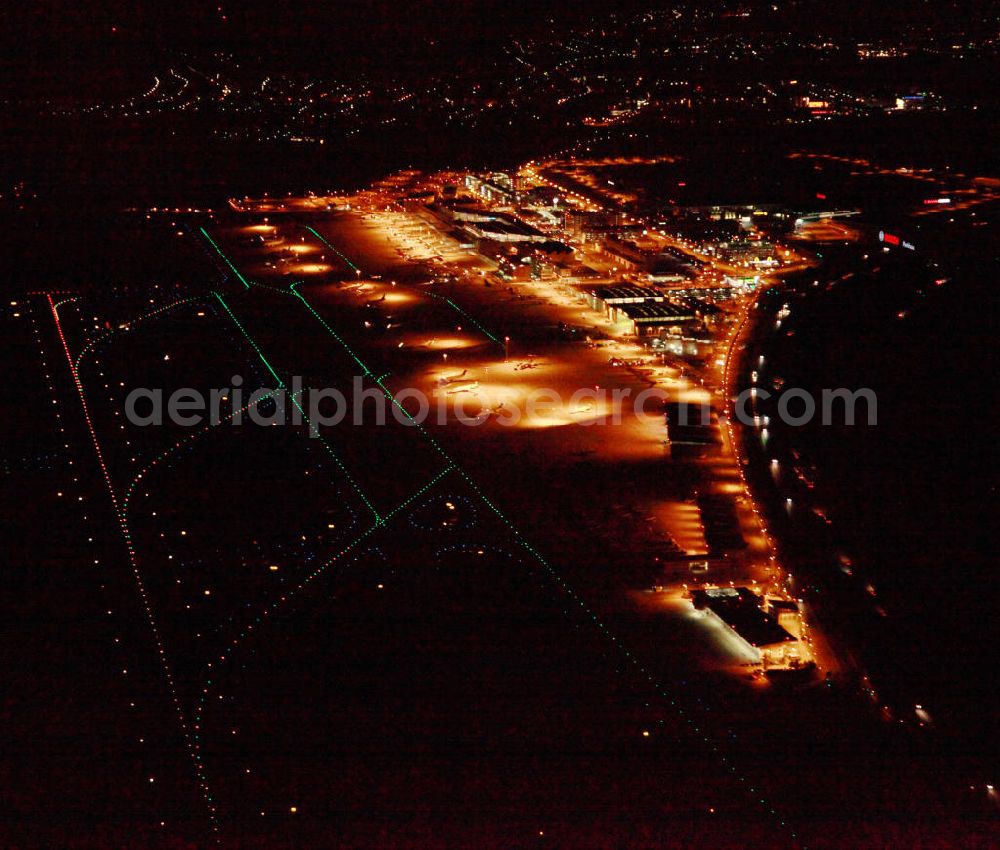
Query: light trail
pixel 295 401
pixel 335 251
pixel 471 318
pixel 156 461
pixel 448 301
pixel 128 325
pixel 589 613
pixel 64 301
pixel 364 369
pixel 218 250
pixel 194 736
pixel 192 744
pixel 276 604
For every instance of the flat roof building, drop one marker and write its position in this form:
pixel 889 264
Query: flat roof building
pixel 652 317
pixel 739 609
pixel 606 297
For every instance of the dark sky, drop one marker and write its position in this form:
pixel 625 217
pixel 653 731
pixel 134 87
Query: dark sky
pixel 253 21
pixel 48 43
pixel 360 25
pixel 51 40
